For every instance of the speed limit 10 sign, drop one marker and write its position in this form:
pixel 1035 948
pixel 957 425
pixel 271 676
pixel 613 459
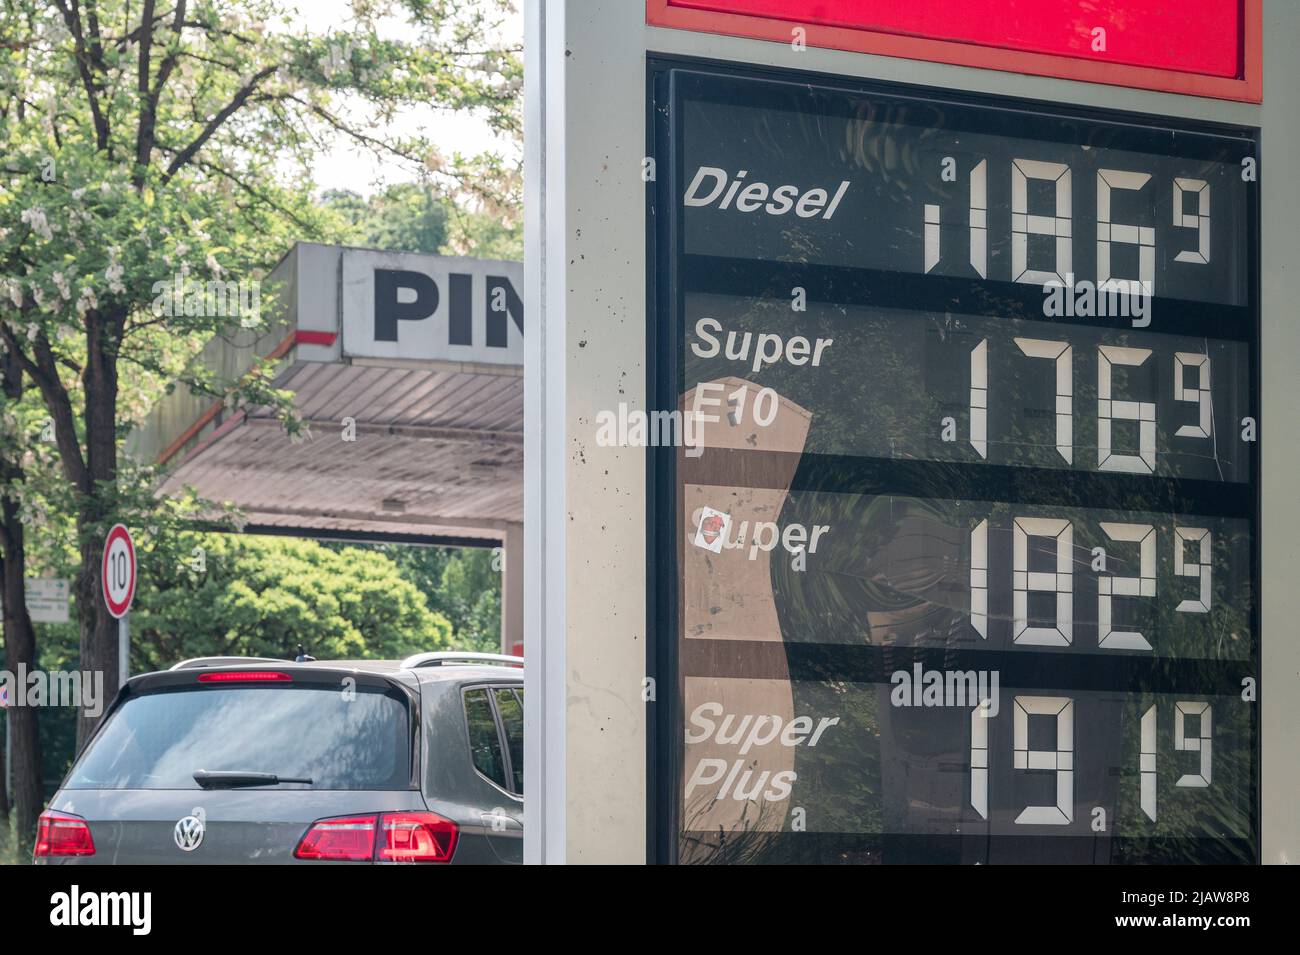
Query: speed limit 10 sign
pixel 118 577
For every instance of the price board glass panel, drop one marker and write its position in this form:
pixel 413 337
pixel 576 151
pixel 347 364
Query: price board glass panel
pixel 955 553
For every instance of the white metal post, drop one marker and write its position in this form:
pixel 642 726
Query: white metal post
pixel 544 378
pixel 123 649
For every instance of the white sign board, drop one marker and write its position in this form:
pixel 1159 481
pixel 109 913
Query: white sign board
pixel 431 307
pixel 47 599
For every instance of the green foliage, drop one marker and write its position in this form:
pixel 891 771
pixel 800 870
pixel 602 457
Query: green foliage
pixel 486 220
pixel 471 592
pixel 484 236
pixel 231 594
pixel 464 585
pixel 12 848
pixel 405 217
pixel 417 217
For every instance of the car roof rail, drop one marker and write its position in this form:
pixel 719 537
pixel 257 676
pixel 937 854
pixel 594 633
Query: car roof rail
pixel 439 658
pixel 195 662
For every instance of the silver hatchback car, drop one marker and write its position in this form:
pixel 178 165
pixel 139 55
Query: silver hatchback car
pixel 249 760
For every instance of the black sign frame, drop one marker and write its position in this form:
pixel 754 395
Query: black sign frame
pixel 668 272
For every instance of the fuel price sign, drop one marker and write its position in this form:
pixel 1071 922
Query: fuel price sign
pixel 963 565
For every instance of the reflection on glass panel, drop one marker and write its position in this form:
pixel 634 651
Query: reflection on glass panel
pixel 512 721
pixel 484 740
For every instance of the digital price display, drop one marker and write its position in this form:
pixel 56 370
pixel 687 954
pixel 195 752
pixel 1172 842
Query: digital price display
pixel 957 556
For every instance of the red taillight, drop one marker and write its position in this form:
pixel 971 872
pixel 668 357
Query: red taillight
pixel 63 834
pixel 403 837
pixel 245 676
pixel 416 837
pixel 347 839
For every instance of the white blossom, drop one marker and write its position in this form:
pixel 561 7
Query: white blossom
pixel 35 217
pixel 114 274
pixel 86 301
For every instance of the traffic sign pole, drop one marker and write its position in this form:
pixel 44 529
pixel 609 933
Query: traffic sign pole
pixel 123 649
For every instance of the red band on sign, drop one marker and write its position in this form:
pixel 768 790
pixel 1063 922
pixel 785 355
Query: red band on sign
pixel 1198 47
pixel 303 337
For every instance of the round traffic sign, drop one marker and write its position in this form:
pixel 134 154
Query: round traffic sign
pixel 118 576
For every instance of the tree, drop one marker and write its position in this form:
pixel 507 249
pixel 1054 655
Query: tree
pixel 149 148
pixel 417 217
pixel 19 638
pixel 463 584
pixel 19 635
pixel 214 593
pixel 405 217
pixel 486 219
pixel 471 590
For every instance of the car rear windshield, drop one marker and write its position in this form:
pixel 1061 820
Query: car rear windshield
pixel 357 740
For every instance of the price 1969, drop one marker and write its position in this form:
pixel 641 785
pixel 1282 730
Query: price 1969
pixel 1061 759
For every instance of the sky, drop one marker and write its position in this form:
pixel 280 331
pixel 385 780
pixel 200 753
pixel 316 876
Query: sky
pixel 347 167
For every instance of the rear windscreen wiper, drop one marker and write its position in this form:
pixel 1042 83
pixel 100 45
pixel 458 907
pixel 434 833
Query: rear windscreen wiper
pixel 230 780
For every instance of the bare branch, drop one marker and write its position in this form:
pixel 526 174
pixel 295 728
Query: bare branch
pixel 146 132
pixel 96 41
pixel 211 61
pixel 340 125
pixel 243 187
pixel 121 42
pixel 240 97
pixel 72 20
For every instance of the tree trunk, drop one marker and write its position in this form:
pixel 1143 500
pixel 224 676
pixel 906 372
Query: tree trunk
pixel 19 640
pixel 4 767
pixel 20 652
pixel 4 787
pixel 98 627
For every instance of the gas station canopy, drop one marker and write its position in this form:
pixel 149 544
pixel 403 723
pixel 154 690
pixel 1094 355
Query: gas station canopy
pixel 407 370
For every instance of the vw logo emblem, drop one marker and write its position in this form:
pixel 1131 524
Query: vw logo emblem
pixel 188 833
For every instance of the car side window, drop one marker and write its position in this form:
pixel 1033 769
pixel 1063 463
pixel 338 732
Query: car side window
pixel 484 740
pixel 511 709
